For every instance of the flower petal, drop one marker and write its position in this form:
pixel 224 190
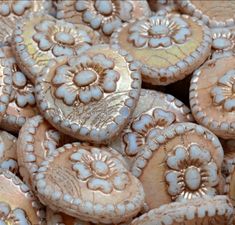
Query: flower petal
pixel 163 118
pixel 229 104
pixel 109 27
pixel 175 185
pixel 78 156
pixel 143 124
pixel 62 50
pixel 120 181
pixel 210 171
pixel 88 16
pixel 45 44
pixel 199 154
pixel 103 61
pixel 102 185
pixel 62 75
pixel 81 5
pixel 132 142
pixel 83 171
pixel 176 160
pixel 85 96
pixel 96 22
pixel 67 94
pixel 181 35
pixel 96 92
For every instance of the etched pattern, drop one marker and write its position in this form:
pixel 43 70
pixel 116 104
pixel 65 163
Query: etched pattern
pixel 223 43
pixel 144 127
pixel 60 38
pixel 223 93
pixel 14 217
pixel 99 171
pixel 159 31
pixel 104 15
pixel 85 79
pixel 192 173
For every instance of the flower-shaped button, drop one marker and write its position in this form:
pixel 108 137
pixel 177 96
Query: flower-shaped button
pixel 9 216
pixel 223 93
pixel 99 171
pixel 60 37
pixel 223 43
pixel 159 31
pixel 17 7
pixel 145 126
pixel 86 80
pixel 192 173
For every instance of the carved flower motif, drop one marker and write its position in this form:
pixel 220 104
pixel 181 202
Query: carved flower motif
pixel 159 31
pixel 99 170
pixel 60 37
pixel 85 78
pixel 14 217
pixel 192 173
pixel 17 7
pixel 105 15
pixel 223 43
pixel 223 93
pixel 144 127
pixel 23 91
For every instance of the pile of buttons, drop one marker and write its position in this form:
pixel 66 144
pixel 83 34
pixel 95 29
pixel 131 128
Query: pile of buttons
pixel 91 132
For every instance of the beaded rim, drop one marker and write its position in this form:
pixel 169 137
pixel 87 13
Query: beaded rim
pixel 78 205
pixel 67 125
pixel 202 117
pixel 26 148
pixel 36 205
pixel 7 87
pixel 197 208
pixel 188 7
pixel 169 133
pixel 26 63
pixel 181 69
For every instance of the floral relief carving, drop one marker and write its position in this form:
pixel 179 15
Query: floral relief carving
pixel 99 171
pixel 145 126
pixel 14 217
pixel 23 91
pixel 223 93
pixel 159 31
pixel 17 7
pixel 85 78
pixel 192 172
pixel 60 37
pixel 223 43
pixel 105 15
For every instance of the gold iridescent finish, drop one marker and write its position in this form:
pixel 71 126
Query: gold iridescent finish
pixel 11 11
pixel 22 103
pixel 90 97
pixel 103 16
pixel 39 38
pixel 154 112
pixel 17 203
pixel 168 47
pixel 212 96
pixel 216 13
pixel 169 161
pixel 203 211
pixel 89 183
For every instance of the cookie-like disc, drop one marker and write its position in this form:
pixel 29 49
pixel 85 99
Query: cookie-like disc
pixel 168 47
pixel 89 183
pixel 92 96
